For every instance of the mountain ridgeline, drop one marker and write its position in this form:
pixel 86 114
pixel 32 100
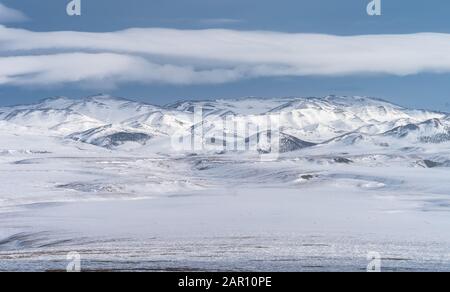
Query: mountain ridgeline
pixel 109 122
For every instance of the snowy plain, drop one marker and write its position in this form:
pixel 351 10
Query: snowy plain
pixel 98 176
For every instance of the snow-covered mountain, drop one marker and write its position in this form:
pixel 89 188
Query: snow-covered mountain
pixel 346 164
pixel 110 122
pixel 430 131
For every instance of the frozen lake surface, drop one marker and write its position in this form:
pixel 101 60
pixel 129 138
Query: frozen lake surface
pixel 247 225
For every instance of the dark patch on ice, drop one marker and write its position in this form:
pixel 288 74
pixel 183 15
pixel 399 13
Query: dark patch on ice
pixel 202 165
pixel 23 240
pixel 25 162
pixel 431 164
pixel 342 160
pixel 117 139
pixel 315 245
pixel 396 259
pixel 308 176
pixel 55 243
pixel 434 205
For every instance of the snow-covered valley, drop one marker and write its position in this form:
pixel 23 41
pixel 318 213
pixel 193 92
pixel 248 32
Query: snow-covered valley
pixel 100 176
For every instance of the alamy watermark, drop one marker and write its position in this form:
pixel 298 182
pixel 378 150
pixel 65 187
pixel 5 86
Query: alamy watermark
pixel 74 8
pixel 374 8
pixel 218 133
pixel 374 259
pixel 74 265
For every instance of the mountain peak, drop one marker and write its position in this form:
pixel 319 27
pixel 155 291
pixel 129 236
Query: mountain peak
pixel 359 100
pixel 53 99
pixel 56 102
pixel 101 97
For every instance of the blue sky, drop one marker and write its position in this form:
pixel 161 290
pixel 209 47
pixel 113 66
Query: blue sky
pixel 424 89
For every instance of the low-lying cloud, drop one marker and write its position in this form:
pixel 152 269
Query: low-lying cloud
pixel 10 15
pixel 170 56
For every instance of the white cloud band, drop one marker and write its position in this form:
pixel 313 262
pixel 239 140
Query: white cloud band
pixel 209 56
pixel 10 15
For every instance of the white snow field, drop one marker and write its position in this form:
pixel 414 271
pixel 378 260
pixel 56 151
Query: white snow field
pixel 100 176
